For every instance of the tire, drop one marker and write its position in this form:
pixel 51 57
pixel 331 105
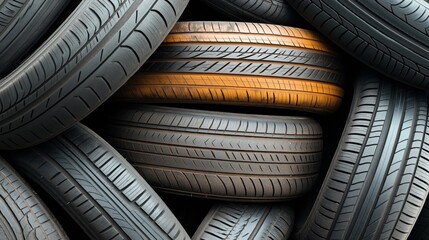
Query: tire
pixel 389 36
pixel 22 24
pixel 259 11
pixel 22 214
pixel 377 181
pixel 80 66
pixel 218 155
pixel 98 187
pixel 242 64
pixel 233 221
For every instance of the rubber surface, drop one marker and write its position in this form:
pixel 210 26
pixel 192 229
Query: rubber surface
pixel 22 24
pixel 98 187
pixel 100 45
pixel 390 36
pixel 216 154
pixel 240 63
pixel 377 181
pixel 258 11
pixel 22 214
pixel 232 221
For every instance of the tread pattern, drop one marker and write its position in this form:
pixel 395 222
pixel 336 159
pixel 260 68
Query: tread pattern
pixel 98 187
pixel 390 36
pixel 234 221
pixel 377 182
pixel 261 11
pixel 22 213
pixel 240 63
pixel 100 45
pixel 22 24
pixel 218 155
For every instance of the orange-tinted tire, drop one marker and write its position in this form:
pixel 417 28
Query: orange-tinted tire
pixel 242 64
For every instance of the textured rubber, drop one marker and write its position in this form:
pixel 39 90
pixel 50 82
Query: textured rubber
pixel 234 221
pixel 22 214
pixel 216 154
pixel 98 187
pixel 240 63
pixel 260 11
pixel 390 36
pixel 100 45
pixel 377 182
pixel 22 24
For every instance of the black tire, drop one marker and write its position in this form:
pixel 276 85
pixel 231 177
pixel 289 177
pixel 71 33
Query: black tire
pixel 218 155
pixel 377 181
pixel 390 36
pixel 100 45
pixel 234 221
pixel 22 214
pixel 259 11
pixel 98 188
pixel 241 64
pixel 22 24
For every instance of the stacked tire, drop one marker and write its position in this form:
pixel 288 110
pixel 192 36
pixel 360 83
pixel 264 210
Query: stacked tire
pixel 252 160
pixel 232 107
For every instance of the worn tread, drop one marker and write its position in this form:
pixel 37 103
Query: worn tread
pixel 22 24
pixel 376 184
pixel 240 63
pixel 235 221
pixel 218 155
pixel 391 36
pixel 99 46
pixel 98 187
pixel 23 215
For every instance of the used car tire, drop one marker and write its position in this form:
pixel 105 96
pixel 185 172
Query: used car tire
pixel 98 188
pixel 99 46
pixel 235 221
pixel 216 154
pixel 377 181
pixel 23 215
pixel 22 24
pixel 390 36
pixel 242 64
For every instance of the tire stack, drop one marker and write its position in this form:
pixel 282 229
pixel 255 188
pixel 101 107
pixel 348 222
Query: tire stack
pixel 233 112
pixel 253 165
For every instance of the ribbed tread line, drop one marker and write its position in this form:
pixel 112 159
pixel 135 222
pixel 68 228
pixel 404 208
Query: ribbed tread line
pixel 22 24
pixel 173 157
pixel 104 39
pixel 232 124
pixel 375 174
pixel 246 221
pixel 389 36
pixel 240 63
pixel 23 214
pixel 101 181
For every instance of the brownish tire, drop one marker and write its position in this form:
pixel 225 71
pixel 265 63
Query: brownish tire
pixel 240 63
pixel 217 154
